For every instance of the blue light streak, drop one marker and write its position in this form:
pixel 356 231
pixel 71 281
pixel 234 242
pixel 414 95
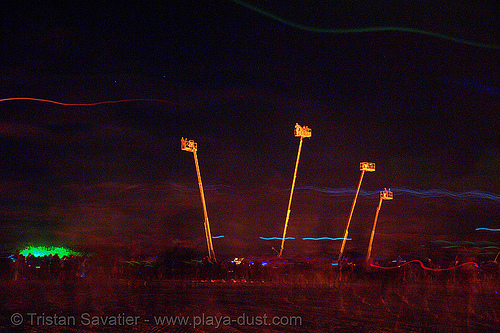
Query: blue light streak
pixel 324 238
pixel 401 191
pixel 487 229
pixel 272 238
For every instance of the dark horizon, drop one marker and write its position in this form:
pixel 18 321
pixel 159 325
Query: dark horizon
pixel 423 108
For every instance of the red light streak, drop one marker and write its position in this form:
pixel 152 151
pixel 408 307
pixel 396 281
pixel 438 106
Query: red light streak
pixel 427 268
pixel 89 104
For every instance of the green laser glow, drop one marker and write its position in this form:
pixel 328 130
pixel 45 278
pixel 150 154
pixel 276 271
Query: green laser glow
pixel 359 30
pixel 42 251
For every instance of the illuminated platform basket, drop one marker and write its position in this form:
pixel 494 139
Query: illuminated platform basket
pixel 386 194
pixel 302 131
pixel 367 166
pixel 188 145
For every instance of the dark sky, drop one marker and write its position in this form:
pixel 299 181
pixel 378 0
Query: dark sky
pixel 424 108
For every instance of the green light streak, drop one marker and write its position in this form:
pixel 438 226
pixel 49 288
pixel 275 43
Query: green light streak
pixel 442 241
pixel 361 30
pixel 42 251
pixel 462 243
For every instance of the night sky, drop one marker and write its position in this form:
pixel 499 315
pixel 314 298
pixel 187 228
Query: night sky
pixel 424 108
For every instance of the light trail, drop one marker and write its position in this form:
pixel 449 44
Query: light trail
pixel 90 104
pixel 306 238
pixel 458 243
pixel 215 237
pixel 363 30
pixel 487 229
pixel 325 238
pixel 273 238
pixel 427 268
pixel 443 193
pixel 401 191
